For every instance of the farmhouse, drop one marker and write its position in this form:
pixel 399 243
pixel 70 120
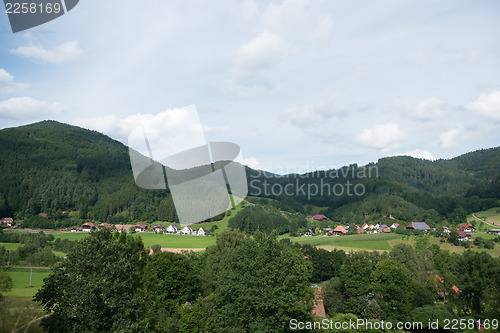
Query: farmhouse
pixel 446 230
pixel 158 228
pixel 360 230
pixel 201 232
pixel 418 226
pixel 467 227
pixel 339 230
pixel 172 228
pixel 464 236
pixel 494 231
pixel 88 227
pixel 188 230
pixel 364 226
pixel 141 227
pixel 7 221
pixel 105 226
pixel 320 217
pixel 395 226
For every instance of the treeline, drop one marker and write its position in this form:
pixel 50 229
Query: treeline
pixel 260 284
pixel 252 219
pixel 37 249
pixel 109 283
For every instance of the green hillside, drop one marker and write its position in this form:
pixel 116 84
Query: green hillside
pixel 56 175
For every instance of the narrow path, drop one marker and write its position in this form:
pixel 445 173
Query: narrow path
pixel 477 218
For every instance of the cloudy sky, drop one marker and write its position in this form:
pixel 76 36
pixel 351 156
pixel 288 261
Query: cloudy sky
pixel 298 84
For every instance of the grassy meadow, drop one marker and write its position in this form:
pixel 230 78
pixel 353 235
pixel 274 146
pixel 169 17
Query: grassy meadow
pixel 21 279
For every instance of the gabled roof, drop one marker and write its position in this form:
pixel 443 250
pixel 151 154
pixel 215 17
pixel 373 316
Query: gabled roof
pixel 89 224
pixel 418 226
pixel 319 217
pixel 463 234
pixel 158 225
pixel 340 229
pixel 141 225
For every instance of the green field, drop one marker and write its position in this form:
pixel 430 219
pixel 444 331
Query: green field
pixel 177 241
pixel 165 240
pixel 363 242
pixel 11 246
pixel 21 279
pixel 491 216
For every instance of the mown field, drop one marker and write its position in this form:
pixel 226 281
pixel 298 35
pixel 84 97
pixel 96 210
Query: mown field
pixel 21 279
pixel 491 216
pixel 363 242
pixel 11 246
pixel 165 240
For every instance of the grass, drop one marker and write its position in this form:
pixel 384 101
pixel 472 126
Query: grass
pixel 176 241
pixel 351 242
pixel 11 246
pixel 491 216
pixel 21 279
pixel 16 313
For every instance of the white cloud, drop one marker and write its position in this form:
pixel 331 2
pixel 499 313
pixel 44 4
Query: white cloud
pixel 448 139
pixel 487 105
pixel 262 53
pixel 252 163
pixel 168 132
pixel 65 52
pixel 7 84
pixel 429 109
pixel 383 137
pixel 313 114
pixel 25 107
pixel 420 153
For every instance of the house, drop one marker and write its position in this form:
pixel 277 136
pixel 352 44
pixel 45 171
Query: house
pixel 446 230
pixel 319 217
pixel 158 228
pixel 418 226
pixel 172 228
pixel 364 226
pixel 467 227
pixel 309 233
pixel 442 295
pixel 464 236
pixel 88 227
pixel 395 226
pixel 494 231
pixel 360 230
pixel 7 221
pixel 339 230
pixel 105 226
pixel 309 216
pixel 141 227
pixel 188 230
pixel 201 232
pixel 385 229
pixel 75 229
pixel 326 230
pixel 371 227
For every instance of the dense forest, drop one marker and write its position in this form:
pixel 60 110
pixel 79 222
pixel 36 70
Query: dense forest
pixel 55 175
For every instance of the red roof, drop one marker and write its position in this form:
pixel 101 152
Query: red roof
pixel 89 224
pixel 319 217
pixel 340 229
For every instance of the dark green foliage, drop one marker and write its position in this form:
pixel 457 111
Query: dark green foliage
pixel 169 281
pixel 259 218
pixel 96 288
pixel 261 285
pixel 325 264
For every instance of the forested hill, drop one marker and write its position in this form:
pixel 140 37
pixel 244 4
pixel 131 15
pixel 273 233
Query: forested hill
pixel 54 168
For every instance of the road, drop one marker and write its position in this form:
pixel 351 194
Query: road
pixel 477 218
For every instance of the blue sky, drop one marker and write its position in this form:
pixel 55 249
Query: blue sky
pixel 298 84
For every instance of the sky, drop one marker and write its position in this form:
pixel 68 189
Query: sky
pixel 299 85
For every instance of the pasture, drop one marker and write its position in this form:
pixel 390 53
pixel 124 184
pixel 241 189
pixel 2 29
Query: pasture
pixel 21 279
pixel 351 242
